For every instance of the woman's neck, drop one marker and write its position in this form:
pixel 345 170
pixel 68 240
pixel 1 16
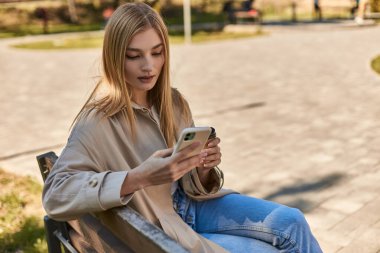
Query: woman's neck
pixel 141 98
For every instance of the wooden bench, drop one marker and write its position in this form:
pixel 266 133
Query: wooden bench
pixel 248 16
pixel 370 13
pixel 331 6
pixel 89 235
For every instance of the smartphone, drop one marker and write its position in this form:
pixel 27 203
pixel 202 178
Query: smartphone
pixel 191 135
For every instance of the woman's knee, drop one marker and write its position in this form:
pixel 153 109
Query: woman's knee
pixel 297 232
pixel 294 219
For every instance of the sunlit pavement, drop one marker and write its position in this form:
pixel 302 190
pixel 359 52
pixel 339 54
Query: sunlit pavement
pixel 297 111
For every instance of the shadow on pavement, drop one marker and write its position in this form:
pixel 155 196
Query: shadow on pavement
pixel 231 109
pixel 293 195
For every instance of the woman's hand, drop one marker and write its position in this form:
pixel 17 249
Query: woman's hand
pixel 161 168
pixel 212 158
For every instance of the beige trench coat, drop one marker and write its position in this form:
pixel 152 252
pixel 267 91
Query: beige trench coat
pixel 88 175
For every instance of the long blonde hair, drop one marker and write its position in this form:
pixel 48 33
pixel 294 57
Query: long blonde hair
pixel 128 20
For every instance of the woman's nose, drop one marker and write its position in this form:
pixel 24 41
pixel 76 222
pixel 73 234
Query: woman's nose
pixel 147 64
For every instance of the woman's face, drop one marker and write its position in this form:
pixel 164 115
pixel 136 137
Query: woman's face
pixel 143 61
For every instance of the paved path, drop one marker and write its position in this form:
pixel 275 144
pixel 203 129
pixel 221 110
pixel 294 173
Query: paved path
pixel 298 113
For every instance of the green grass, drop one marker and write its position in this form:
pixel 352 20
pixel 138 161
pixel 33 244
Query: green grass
pixel 4 35
pixel 21 226
pixel 375 64
pixel 64 43
pixel 96 41
pixel 34 29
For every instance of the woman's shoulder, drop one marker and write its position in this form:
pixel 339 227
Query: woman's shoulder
pixel 176 94
pixel 179 100
pixel 89 119
pixel 92 123
pixel 94 131
pixel 181 108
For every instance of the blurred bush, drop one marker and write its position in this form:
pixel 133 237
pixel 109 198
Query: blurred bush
pixel 375 64
pixel 375 5
pixel 21 226
pixel 17 18
pixel 21 18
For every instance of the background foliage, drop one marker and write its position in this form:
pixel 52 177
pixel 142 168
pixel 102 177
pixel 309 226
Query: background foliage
pixel 21 225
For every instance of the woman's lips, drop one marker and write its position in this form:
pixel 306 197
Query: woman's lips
pixel 146 79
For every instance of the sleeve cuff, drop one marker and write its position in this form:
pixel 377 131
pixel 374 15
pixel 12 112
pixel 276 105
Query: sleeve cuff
pixel 212 187
pixel 109 195
pixel 193 187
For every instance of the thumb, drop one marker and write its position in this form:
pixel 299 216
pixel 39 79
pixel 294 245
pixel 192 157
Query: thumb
pixel 163 153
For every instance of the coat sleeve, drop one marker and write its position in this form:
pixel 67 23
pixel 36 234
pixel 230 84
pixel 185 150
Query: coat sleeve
pixel 79 183
pixel 193 187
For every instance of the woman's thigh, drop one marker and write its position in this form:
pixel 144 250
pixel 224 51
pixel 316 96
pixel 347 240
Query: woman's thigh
pixel 239 244
pixel 241 215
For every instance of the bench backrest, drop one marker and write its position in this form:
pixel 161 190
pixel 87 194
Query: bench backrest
pixel 87 234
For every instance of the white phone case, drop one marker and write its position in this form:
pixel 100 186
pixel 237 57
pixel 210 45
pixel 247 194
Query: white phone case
pixel 191 135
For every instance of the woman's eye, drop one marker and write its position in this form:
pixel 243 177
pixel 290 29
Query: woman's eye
pixel 132 57
pixel 157 53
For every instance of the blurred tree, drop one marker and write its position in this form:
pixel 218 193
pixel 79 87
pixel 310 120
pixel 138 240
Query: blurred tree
pixel 96 4
pixel 155 4
pixel 375 5
pixel 159 4
pixel 204 4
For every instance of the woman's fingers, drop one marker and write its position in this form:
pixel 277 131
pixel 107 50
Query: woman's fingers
pixel 212 164
pixel 165 167
pixel 189 163
pixel 211 151
pixel 214 157
pixel 184 153
pixel 214 142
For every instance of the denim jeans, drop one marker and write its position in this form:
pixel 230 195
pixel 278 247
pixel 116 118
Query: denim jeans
pixel 232 221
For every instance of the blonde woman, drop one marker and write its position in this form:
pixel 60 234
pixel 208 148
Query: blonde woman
pixel 119 153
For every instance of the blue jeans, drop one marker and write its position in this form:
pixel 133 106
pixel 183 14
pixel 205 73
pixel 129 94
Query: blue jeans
pixel 232 221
